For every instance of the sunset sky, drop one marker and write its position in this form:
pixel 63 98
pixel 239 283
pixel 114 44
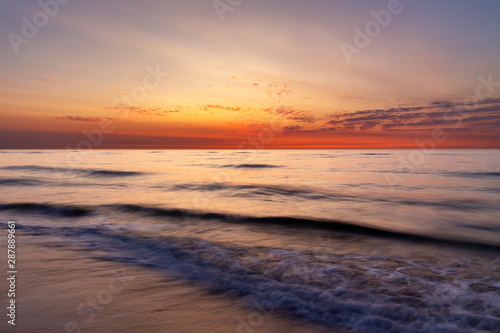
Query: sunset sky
pixel 275 73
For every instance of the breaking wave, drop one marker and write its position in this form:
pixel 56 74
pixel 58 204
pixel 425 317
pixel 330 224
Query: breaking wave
pixel 250 166
pixel 361 293
pixel 81 171
pixel 62 210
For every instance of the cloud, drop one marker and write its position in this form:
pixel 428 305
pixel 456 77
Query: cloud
pixel 78 118
pixel 442 103
pixel 290 113
pixel 291 129
pixel 277 91
pixel 367 126
pixel 137 111
pixel 210 107
pixel 439 113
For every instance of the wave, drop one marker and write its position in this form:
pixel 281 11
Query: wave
pixel 31 168
pixel 256 190
pixel 250 166
pixel 86 172
pixel 112 173
pixel 47 209
pixel 474 174
pixel 286 221
pixel 253 189
pixel 37 182
pixel 24 152
pixel 359 293
pixel 20 182
pixel 376 154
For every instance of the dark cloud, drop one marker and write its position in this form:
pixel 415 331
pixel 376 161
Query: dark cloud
pixel 367 126
pixel 304 119
pixel 443 103
pixel 15 139
pixel 467 116
pixel 303 116
pixel 78 118
pixel 291 129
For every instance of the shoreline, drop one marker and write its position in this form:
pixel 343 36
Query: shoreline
pixel 62 289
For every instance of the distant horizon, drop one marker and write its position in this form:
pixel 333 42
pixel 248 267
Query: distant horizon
pixel 255 149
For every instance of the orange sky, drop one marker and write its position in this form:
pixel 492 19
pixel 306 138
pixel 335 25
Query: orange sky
pixel 165 75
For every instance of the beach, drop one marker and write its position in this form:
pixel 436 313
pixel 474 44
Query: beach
pixel 62 289
pixel 231 241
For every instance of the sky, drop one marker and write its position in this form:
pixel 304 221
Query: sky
pixel 235 74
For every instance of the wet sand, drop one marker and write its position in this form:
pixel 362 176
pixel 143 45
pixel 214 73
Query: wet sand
pixel 61 288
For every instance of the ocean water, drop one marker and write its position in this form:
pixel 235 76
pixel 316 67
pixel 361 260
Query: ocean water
pixel 350 240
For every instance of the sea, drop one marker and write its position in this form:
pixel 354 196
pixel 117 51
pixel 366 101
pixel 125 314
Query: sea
pixel 347 240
